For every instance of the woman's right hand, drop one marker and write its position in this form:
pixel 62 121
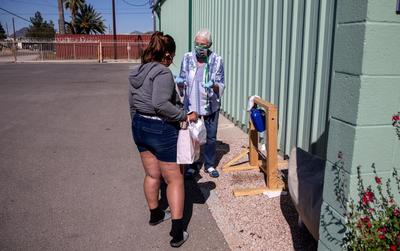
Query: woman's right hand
pixel 192 117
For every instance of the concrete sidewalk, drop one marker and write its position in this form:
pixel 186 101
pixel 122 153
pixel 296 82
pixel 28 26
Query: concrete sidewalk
pixel 70 176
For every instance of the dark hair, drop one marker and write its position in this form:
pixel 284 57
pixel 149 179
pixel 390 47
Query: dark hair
pixel 158 46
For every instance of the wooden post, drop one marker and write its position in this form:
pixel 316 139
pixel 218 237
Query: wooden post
pixel 253 145
pixel 271 134
pixel 14 47
pixel 41 51
pixel 114 30
pixel 100 53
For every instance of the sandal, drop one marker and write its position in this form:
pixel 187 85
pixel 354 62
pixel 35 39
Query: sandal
pixel 212 172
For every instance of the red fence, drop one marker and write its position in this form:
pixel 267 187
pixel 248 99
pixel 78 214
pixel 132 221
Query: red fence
pixel 76 46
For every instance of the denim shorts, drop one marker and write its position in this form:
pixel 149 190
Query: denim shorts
pixel 157 136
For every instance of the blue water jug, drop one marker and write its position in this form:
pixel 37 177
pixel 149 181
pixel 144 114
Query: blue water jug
pixel 258 118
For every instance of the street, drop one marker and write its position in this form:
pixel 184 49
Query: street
pixel 70 175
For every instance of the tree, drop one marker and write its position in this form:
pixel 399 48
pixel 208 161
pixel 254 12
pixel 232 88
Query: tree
pixel 74 6
pixel 61 22
pixel 3 34
pixel 89 21
pixel 39 28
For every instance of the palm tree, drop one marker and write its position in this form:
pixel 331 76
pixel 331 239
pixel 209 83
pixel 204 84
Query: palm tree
pixel 89 21
pixel 74 6
pixel 61 22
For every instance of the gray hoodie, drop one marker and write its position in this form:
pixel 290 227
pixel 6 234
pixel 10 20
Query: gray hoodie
pixel 152 92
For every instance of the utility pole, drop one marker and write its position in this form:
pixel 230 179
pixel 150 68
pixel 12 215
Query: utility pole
pixel 114 30
pixel 8 34
pixel 153 6
pixel 15 42
pixel 61 22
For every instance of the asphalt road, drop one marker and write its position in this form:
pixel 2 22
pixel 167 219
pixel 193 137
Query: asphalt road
pixel 70 175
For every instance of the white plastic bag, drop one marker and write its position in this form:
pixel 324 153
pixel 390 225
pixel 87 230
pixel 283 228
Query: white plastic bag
pixel 188 149
pixel 198 131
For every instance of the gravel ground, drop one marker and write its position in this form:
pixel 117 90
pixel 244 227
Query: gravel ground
pixel 250 222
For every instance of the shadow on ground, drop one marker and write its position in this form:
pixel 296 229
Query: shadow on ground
pixel 222 149
pixel 195 192
pixel 302 239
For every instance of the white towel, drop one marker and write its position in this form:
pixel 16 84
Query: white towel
pixel 250 104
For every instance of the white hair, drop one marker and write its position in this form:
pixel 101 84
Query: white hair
pixel 204 33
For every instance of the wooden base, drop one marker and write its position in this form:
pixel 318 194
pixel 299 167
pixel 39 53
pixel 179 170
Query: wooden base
pixel 233 166
pixel 282 165
pixel 254 191
pixel 237 158
pixel 243 167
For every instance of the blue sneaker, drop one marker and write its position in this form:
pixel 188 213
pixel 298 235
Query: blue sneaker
pixel 212 172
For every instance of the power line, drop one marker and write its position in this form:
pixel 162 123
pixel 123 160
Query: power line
pixel 54 13
pixel 47 5
pixel 16 15
pixel 29 3
pixel 136 5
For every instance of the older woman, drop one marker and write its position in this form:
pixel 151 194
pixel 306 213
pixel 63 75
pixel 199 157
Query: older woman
pixel 202 79
pixel 155 126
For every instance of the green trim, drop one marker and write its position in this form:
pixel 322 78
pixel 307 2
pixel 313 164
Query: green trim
pixel 159 21
pixel 190 26
pixel 157 9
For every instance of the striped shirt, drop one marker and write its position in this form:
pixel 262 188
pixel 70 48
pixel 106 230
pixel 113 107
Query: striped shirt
pixel 202 100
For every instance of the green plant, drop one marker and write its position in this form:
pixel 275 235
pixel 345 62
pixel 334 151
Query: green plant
pixel 373 222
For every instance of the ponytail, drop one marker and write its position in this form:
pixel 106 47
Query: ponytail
pixel 158 46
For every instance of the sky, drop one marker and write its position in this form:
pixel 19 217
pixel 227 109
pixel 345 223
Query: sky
pixel 128 18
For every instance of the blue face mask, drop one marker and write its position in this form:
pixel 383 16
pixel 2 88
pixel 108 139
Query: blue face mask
pixel 201 51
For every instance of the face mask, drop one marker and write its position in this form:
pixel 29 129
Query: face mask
pixel 201 51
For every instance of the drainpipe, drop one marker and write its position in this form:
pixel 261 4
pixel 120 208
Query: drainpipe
pixel 190 26
pixel 156 7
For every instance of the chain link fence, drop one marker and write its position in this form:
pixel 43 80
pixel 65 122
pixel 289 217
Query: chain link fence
pixel 29 51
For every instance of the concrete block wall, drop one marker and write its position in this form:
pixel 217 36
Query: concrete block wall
pixel 365 93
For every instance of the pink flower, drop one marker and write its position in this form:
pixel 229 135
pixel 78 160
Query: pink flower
pixel 366 220
pixel 396 212
pixel 382 230
pixel 392 248
pixel 368 197
pixel 381 236
pixel 396 117
pixel 378 180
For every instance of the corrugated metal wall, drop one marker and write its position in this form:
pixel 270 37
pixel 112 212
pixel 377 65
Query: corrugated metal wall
pixel 175 22
pixel 277 49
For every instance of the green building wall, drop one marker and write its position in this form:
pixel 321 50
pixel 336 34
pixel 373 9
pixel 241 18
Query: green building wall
pixel 174 20
pixel 279 50
pixel 365 94
pixel 332 96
